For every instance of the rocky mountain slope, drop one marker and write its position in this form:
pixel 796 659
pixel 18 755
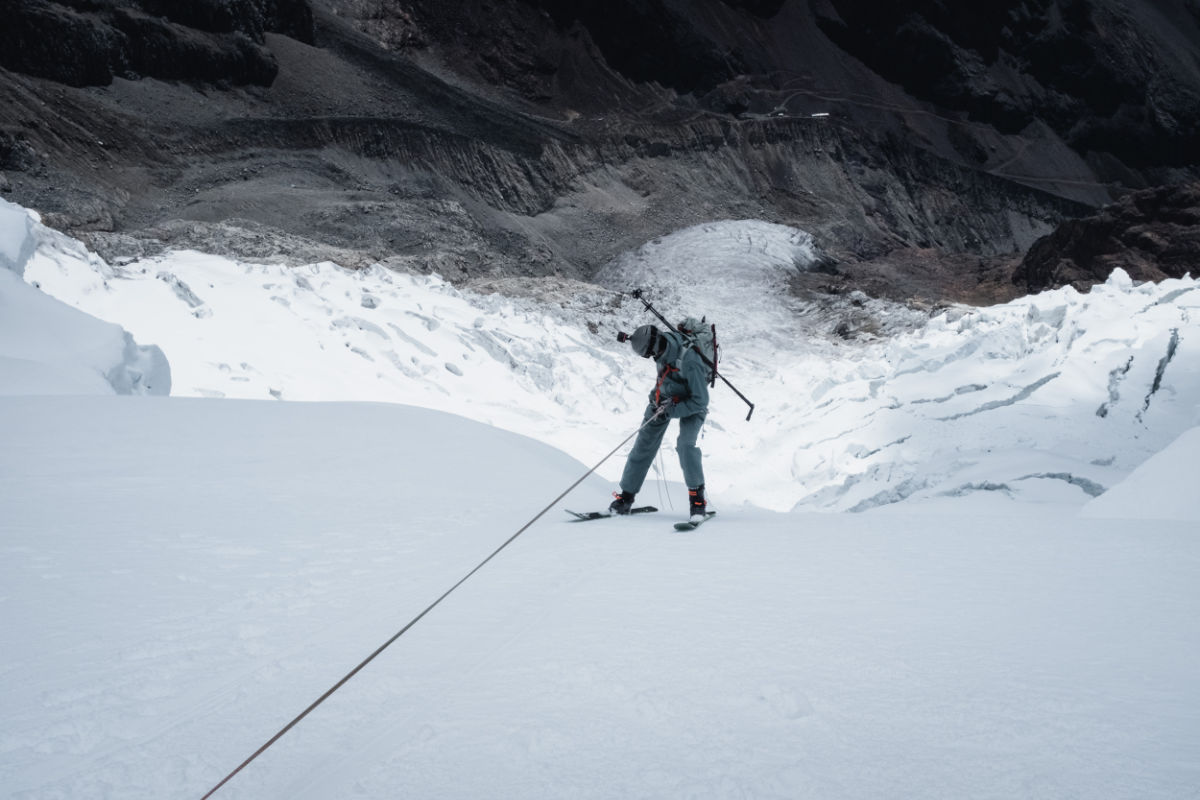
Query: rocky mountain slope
pixel 925 147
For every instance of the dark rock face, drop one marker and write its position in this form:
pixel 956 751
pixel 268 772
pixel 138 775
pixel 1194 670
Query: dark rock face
pixel 633 35
pixel 1152 234
pixel 89 42
pixel 760 8
pixel 254 18
pixel 592 49
pixel 1108 77
pixel 52 41
pixel 925 145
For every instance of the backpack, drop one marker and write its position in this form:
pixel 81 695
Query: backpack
pixel 701 337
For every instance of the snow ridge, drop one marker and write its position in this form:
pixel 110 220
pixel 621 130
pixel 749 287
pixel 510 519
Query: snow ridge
pixel 18 241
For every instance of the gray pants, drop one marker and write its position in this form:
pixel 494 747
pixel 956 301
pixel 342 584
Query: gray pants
pixel 645 448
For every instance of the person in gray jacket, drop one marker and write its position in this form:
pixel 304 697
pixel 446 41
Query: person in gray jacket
pixel 681 393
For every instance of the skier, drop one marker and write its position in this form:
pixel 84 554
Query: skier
pixel 681 393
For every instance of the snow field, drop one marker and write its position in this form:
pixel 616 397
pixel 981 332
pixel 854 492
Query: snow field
pixel 182 577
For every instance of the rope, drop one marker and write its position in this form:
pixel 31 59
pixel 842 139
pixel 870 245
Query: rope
pixel 662 480
pixel 661 474
pixel 418 617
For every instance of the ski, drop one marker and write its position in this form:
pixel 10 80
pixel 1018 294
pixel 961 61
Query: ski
pixel 590 515
pixel 691 526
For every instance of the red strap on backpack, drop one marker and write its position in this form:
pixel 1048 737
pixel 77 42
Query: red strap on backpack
pixel 658 386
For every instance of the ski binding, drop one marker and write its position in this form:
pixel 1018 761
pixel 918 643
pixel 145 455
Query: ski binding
pixel 691 526
pixel 590 515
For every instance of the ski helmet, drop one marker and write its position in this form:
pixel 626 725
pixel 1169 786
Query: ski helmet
pixel 644 341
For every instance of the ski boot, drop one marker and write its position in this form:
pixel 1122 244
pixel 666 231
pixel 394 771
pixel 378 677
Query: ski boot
pixel 622 503
pixel 697 504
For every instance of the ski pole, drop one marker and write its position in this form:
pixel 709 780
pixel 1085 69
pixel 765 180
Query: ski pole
pixel 638 294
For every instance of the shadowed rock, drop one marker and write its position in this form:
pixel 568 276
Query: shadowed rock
pixel 1151 234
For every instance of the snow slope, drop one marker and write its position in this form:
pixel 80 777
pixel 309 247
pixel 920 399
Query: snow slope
pixel 48 347
pixel 181 577
pixel 18 237
pixel 1160 488
pixel 1050 399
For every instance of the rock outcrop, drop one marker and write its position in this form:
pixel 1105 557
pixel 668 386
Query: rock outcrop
pixel 1151 234
pixel 89 42
pixel 1115 78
